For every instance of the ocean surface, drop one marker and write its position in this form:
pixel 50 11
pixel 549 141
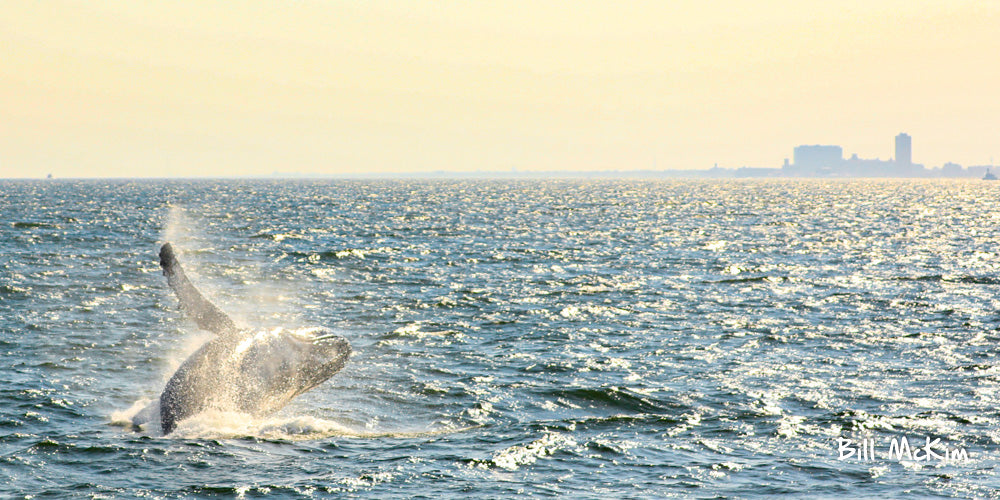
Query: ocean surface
pixel 596 339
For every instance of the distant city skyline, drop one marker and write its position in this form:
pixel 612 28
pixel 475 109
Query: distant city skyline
pixel 818 160
pixel 829 160
pixel 809 161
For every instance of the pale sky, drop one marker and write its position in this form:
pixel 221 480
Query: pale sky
pixel 193 88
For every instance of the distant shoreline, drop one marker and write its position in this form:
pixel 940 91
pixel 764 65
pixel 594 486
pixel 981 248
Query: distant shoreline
pixel 717 173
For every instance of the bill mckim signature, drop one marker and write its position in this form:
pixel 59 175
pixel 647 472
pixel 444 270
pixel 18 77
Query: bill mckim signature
pixel 900 449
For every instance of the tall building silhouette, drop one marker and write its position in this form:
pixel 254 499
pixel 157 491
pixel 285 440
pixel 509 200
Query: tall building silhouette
pixel 904 149
pixel 817 156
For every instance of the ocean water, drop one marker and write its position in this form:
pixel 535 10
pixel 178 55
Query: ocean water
pixel 518 338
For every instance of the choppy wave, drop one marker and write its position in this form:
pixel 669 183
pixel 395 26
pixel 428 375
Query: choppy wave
pixel 599 339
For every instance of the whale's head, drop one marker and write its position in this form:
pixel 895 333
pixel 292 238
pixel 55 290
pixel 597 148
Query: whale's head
pixel 277 365
pixel 321 354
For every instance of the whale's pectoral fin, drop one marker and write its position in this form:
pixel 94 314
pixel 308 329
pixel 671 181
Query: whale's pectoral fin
pixel 203 312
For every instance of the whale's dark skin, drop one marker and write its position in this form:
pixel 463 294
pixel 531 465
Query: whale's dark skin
pixel 241 370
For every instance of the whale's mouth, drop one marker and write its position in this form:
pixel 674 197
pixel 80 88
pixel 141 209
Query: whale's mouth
pixel 329 353
pixel 336 347
pixel 319 338
pixel 330 342
pixel 324 344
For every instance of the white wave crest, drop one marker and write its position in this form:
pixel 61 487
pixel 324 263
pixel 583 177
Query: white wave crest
pixel 520 455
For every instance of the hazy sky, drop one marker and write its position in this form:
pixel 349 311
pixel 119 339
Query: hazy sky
pixel 186 88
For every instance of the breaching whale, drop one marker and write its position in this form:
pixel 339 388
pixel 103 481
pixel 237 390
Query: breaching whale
pixel 253 372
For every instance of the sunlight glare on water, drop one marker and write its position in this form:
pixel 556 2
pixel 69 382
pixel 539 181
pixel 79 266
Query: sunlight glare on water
pixel 612 338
